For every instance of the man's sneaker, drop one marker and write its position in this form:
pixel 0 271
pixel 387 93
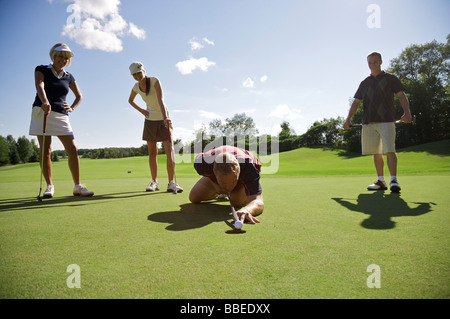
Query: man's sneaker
pixel 81 190
pixel 377 186
pixel 394 186
pixel 172 186
pixel 49 191
pixel 153 186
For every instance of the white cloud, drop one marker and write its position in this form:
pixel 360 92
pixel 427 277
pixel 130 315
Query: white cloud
pixel 181 111
pixel 248 83
pixel 209 42
pixel 136 31
pixel 209 115
pixel 185 134
pixel 188 66
pixel 197 45
pixel 97 24
pixel 283 111
pixel 263 79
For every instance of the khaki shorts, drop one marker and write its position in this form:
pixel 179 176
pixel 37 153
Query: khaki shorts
pixel 155 131
pixel 378 138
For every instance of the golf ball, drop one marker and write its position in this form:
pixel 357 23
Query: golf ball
pixel 238 224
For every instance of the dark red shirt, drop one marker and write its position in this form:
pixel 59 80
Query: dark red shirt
pixel 250 167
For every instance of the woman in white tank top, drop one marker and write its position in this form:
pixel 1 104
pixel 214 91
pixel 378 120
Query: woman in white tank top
pixel 157 125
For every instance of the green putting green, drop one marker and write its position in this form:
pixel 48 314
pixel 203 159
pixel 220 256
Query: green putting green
pixel 320 231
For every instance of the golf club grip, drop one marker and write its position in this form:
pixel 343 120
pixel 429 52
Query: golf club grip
pixel 172 150
pixel 45 123
pixel 396 122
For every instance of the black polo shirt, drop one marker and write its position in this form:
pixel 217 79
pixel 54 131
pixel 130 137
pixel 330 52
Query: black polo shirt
pixel 55 89
pixel 377 94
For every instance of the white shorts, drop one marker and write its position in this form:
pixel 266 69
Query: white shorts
pixel 378 138
pixel 57 124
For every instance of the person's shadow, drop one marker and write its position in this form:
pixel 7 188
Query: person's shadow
pixel 191 216
pixel 382 207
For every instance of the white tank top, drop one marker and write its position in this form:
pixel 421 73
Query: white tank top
pixel 151 100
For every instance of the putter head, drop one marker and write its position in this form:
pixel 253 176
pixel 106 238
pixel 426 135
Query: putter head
pixel 174 192
pixel 39 198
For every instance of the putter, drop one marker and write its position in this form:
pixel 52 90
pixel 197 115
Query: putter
pixel 237 223
pixel 396 122
pixel 172 153
pixel 39 198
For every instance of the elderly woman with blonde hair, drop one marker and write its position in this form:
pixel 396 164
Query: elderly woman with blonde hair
pixel 50 107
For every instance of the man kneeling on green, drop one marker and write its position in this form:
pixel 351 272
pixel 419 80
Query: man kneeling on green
pixel 229 169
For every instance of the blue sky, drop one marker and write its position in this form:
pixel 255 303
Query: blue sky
pixel 291 60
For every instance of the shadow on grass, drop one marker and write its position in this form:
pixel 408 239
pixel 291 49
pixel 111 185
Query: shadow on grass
pixel 382 207
pixel 191 216
pixel 27 203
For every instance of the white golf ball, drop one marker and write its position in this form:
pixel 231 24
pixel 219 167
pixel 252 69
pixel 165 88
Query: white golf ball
pixel 238 224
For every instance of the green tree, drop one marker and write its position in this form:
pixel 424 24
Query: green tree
pixel 241 125
pixel 425 72
pixel 14 157
pixel 24 148
pixel 286 131
pixel 54 157
pixel 352 138
pixel 35 156
pixel 4 151
pixel 327 132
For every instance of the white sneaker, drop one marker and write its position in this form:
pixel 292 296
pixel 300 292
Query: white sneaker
pixel 172 186
pixel 49 192
pixel 81 190
pixel 153 186
pixel 378 185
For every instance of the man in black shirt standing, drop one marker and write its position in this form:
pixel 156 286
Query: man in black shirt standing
pixel 378 131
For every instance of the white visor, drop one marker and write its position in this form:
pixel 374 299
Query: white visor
pixel 63 49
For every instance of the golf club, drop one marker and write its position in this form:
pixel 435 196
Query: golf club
pixel 237 224
pixel 396 122
pixel 39 198
pixel 172 153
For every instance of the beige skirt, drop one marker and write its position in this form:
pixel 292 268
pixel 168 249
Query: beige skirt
pixel 57 124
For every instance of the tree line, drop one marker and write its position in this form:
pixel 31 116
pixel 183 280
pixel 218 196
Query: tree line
pixel 424 70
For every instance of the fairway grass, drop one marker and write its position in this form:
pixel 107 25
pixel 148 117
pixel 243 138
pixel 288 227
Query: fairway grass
pixel 318 234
